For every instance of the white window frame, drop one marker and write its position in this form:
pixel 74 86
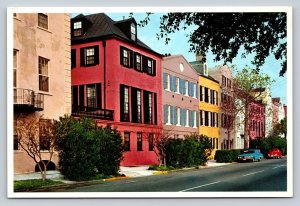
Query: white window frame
pixel 178 117
pixel 169 115
pixel 195 88
pixel 133 31
pixel 209 100
pixel 168 83
pixel 203 94
pixel 195 119
pixel 209 116
pixel 186 88
pixel 177 85
pixel 187 118
pixel 203 118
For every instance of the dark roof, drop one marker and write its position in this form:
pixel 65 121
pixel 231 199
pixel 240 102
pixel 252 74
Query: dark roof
pixel 103 26
pixel 198 66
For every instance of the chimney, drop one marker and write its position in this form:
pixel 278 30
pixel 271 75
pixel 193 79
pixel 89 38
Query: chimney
pixel 200 56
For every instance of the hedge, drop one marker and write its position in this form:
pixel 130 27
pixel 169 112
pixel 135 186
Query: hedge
pixel 227 156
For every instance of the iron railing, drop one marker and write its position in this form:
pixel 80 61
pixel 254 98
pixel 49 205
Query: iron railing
pixel 91 112
pixel 28 100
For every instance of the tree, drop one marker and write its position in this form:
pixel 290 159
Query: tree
pixel 160 141
pixel 225 33
pixel 280 128
pixel 249 87
pixel 35 136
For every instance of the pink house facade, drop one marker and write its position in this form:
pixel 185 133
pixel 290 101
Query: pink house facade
pixel 180 97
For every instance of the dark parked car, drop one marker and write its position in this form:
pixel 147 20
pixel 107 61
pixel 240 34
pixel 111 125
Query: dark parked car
pixel 250 155
pixel 275 153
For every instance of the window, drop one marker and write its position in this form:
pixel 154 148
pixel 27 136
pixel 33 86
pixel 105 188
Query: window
pixel 126 141
pixel 195 119
pixel 91 96
pixel 177 84
pixel 223 80
pixel 206 120
pixel 168 82
pixel 151 142
pixel 89 56
pixel 187 119
pixel 136 105
pixel 126 57
pixel 15 64
pixel 43 20
pixel 150 66
pixel 43 74
pixel 44 134
pixel 205 69
pixel 138 62
pixel 186 87
pixel 206 95
pixel 73 58
pixel 77 26
pixel 139 142
pixel 124 99
pixel 178 116
pixel 133 31
pixel 195 90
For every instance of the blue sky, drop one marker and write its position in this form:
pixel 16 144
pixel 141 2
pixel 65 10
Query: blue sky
pixel 179 45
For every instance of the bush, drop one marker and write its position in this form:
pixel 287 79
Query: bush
pixel 265 144
pixel 85 149
pixel 227 156
pixel 188 152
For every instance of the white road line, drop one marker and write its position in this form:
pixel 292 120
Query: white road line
pixel 200 186
pixel 253 173
pixel 279 166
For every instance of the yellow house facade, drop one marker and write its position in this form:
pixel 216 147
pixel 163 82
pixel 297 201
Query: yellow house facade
pixel 209 106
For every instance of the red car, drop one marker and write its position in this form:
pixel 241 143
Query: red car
pixel 275 153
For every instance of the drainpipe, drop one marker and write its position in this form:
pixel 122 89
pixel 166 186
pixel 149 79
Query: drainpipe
pixel 104 72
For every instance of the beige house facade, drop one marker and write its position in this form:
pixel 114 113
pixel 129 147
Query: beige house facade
pixel 42 73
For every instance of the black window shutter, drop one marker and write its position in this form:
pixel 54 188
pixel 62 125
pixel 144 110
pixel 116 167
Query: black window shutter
pixel 134 59
pixel 75 96
pixel 154 68
pixel 122 102
pixel 82 58
pixel 121 55
pixel 98 95
pixel 146 107
pixel 73 58
pixel 131 59
pixel 155 108
pixel 134 105
pixel 96 54
pixel 81 95
pixel 145 64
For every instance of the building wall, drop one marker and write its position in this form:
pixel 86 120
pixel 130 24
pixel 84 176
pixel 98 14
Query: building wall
pixel 217 73
pixel 256 120
pixel 117 74
pixel 211 132
pixel 171 66
pixel 32 41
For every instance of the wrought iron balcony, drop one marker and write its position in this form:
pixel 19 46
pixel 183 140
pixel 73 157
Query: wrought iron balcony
pixel 94 113
pixel 26 100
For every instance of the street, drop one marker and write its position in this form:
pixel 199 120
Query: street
pixel 267 175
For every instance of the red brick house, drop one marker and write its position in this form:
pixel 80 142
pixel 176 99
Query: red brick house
pixel 116 79
pixel 257 120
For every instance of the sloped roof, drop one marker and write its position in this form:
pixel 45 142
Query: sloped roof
pixel 199 68
pixel 103 26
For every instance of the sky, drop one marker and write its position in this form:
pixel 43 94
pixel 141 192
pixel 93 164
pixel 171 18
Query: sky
pixel 179 45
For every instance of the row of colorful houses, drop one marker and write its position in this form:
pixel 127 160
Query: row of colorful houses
pixel 93 66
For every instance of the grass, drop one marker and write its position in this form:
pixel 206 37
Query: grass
pixel 160 168
pixel 28 185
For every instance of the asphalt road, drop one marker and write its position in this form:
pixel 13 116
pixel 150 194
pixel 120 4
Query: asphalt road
pixel 267 175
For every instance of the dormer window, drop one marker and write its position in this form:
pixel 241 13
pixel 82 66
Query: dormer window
pixel 133 31
pixel 77 26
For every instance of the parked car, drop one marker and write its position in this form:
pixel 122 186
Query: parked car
pixel 250 155
pixel 275 153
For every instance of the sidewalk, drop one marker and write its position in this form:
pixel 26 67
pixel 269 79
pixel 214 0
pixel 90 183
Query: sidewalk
pixel 138 171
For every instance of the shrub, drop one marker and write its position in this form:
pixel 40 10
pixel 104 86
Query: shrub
pixel 188 152
pixel 86 150
pixel 227 156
